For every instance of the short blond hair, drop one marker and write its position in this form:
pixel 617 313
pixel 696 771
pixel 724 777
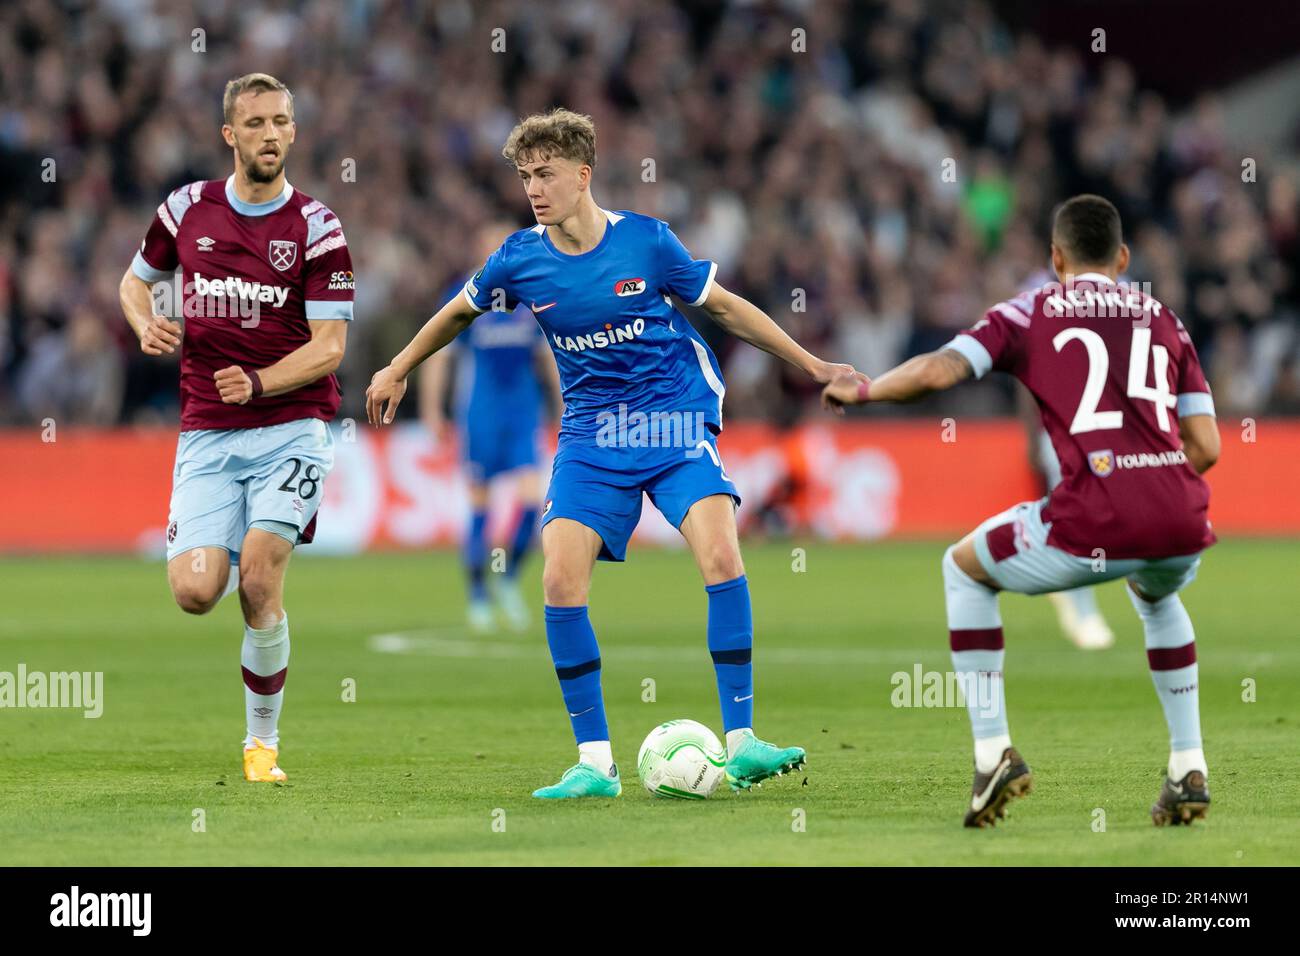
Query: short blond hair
pixel 560 132
pixel 255 83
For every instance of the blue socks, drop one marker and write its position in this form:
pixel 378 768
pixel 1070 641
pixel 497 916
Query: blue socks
pixel 731 644
pixel 731 640
pixel 524 535
pixel 475 556
pixel 577 665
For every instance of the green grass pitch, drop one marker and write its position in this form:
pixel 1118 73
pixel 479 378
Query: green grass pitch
pixel 434 761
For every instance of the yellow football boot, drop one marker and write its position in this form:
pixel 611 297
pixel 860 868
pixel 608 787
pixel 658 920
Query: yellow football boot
pixel 260 766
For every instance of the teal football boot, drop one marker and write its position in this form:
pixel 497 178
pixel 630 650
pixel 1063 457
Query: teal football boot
pixel 755 760
pixel 582 780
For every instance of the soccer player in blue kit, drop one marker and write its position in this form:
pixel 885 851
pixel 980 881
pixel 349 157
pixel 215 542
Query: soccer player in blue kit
pixel 599 284
pixel 503 374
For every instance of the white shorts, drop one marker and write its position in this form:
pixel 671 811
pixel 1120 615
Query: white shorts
pixel 1018 558
pixel 225 480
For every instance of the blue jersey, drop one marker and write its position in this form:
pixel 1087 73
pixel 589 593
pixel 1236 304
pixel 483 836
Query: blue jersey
pixel 496 374
pixel 607 316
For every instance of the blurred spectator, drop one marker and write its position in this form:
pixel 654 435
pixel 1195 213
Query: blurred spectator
pixel 815 177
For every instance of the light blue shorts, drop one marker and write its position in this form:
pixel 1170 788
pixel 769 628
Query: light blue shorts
pixel 1012 547
pixel 226 480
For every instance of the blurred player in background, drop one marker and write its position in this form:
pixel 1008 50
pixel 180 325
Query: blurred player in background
pixel 267 289
pixel 600 285
pixel 1132 421
pixel 502 373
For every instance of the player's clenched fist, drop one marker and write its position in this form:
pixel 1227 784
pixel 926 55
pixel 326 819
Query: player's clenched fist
pixel 384 395
pixel 160 335
pixel 234 386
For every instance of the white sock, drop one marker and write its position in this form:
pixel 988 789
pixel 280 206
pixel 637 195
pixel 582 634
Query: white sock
pixel 232 583
pixel 598 754
pixel 1171 655
pixel 734 737
pixel 1183 762
pixel 264 658
pixel 988 751
pixel 975 639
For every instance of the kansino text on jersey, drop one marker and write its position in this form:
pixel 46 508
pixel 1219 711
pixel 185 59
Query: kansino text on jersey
pixel 599 340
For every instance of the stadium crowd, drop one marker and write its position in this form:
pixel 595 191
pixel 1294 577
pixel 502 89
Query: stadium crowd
pixel 874 175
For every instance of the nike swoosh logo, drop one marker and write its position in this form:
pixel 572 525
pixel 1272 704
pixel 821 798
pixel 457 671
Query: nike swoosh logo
pixel 542 308
pixel 740 700
pixel 581 712
pixel 977 802
pixel 670 326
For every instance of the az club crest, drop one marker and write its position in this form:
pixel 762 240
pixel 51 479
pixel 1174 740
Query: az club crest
pixel 1102 462
pixel 283 253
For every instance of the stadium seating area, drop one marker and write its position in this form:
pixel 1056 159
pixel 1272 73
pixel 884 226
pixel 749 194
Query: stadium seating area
pixel 813 176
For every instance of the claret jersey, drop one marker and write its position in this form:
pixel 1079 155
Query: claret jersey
pixel 253 276
pixel 1112 370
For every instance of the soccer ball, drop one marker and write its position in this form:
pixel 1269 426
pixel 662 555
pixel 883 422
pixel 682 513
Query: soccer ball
pixel 682 759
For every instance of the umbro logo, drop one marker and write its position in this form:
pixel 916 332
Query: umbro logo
pixel 205 243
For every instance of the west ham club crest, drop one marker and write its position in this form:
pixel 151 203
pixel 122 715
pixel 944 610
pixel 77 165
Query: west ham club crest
pixel 284 253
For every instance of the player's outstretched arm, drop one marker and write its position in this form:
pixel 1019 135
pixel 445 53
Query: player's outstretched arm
pixel 157 333
pixel 1200 434
pixel 313 360
pixel 389 384
pixel 748 322
pixel 932 372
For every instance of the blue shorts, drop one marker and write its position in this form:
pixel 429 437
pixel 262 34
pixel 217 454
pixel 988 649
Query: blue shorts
pixel 496 445
pixel 601 487
pixel 227 479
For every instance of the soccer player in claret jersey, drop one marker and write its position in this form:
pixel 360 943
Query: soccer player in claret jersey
pixel 600 285
pixel 267 295
pixel 1123 397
